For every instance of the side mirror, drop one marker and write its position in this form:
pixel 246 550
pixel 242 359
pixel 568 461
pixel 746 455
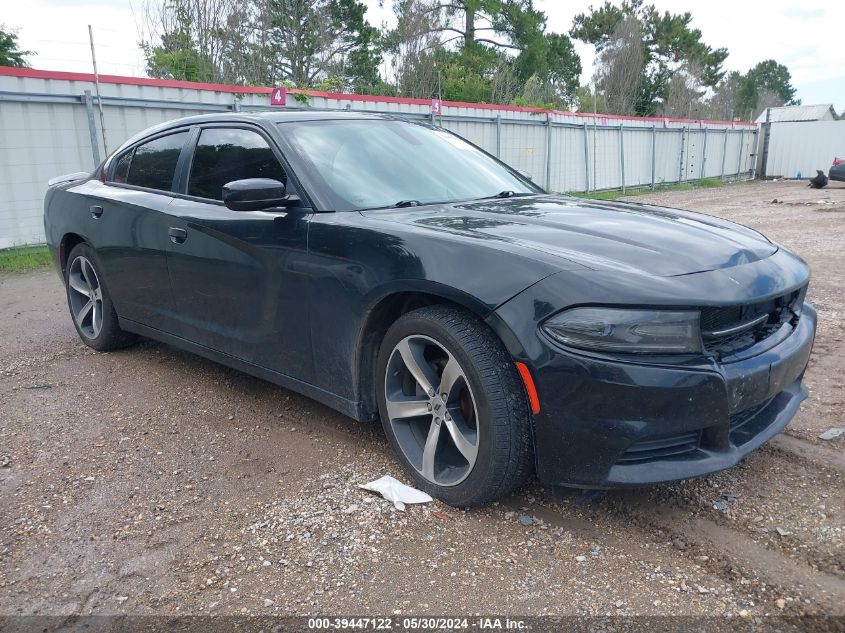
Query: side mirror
pixel 254 194
pixel 525 174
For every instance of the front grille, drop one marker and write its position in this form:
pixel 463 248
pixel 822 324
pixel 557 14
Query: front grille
pixel 661 448
pixel 731 329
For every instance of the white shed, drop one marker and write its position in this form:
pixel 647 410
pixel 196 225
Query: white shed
pixel 820 112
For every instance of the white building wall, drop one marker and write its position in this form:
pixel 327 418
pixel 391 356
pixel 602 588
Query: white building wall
pixel 804 146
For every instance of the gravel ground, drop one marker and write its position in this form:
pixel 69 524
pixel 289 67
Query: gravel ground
pixel 151 481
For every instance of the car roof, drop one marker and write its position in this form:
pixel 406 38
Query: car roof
pixel 271 116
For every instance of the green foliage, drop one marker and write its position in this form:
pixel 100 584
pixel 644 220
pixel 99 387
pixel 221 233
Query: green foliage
pixel 479 50
pixel 178 56
pixel 302 31
pixel 465 74
pixel 770 75
pixel 616 194
pixel 552 59
pixel 10 53
pixel 263 42
pixel 23 258
pixel 586 101
pixel 767 84
pixel 486 51
pixel 669 41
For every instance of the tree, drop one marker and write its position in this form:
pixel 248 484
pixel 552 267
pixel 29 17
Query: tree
pixel 588 100
pixel 486 48
pixel 178 55
pixel 620 67
pixel 766 85
pixel 10 54
pixel 683 97
pixel 198 40
pixel 310 40
pixel 668 41
pixel 299 42
pixel 722 104
pixel 413 49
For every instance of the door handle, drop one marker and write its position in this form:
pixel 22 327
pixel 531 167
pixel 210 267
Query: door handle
pixel 177 235
pixel 96 211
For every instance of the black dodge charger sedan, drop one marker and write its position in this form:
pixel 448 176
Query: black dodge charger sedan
pixel 391 269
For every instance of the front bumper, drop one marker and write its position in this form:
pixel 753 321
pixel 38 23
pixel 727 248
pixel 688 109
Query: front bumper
pixel 617 424
pixel 609 422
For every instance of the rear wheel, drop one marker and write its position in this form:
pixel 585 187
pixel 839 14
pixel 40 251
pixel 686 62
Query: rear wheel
pixel 453 407
pixel 90 304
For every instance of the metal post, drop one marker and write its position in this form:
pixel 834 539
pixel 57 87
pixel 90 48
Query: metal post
pixel 595 154
pixel 92 127
pixel 756 144
pixel 703 155
pixel 97 85
pixel 681 161
pixel 548 151
pixel 739 158
pixel 724 154
pixel 236 105
pixel 498 136
pixel 653 154
pixel 767 132
pixel 622 154
pixel 587 156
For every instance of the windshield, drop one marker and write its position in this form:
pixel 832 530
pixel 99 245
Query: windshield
pixel 367 164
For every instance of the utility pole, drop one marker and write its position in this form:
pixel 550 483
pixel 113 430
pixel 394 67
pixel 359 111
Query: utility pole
pixel 97 86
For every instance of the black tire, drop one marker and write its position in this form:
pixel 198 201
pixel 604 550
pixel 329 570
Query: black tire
pixel 504 457
pixel 108 336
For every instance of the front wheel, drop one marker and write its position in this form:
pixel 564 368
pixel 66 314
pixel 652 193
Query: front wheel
pixel 453 407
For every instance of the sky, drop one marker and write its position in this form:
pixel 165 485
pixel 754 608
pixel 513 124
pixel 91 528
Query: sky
pixel 802 34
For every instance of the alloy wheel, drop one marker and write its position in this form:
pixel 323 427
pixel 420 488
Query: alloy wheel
pixel 86 297
pixel 426 390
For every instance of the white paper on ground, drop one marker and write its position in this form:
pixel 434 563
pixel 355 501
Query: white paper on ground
pixel 397 492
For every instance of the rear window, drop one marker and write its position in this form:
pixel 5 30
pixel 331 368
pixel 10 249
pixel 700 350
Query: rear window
pixel 223 155
pixel 154 164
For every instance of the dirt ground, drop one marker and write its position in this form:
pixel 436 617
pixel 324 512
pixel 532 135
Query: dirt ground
pixel 151 481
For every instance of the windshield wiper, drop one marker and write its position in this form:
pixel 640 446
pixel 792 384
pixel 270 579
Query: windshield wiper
pixel 508 194
pixel 397 205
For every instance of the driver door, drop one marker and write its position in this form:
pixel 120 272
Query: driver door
pixel 236 283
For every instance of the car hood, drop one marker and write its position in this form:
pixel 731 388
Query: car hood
pixel 595 234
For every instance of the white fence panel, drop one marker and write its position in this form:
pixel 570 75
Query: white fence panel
pixel 667 157
pixel 524 148
pixel 637 157
pixel 567 159
pixel 48 128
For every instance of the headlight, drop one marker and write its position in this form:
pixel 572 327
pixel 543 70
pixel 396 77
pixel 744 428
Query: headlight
pixel 632 331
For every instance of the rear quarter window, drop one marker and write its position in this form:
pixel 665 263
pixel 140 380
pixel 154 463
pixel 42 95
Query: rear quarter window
pixel 121 168
pixel 153 164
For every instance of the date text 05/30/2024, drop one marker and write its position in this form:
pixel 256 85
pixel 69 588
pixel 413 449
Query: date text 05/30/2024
pixel 424 623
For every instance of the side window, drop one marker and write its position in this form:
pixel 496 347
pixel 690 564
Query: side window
pixel 154 164
pixel 223 155
pixel 121 167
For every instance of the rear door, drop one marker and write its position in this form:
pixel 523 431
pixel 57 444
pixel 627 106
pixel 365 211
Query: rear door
pixel 238 277
pixel 132 222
